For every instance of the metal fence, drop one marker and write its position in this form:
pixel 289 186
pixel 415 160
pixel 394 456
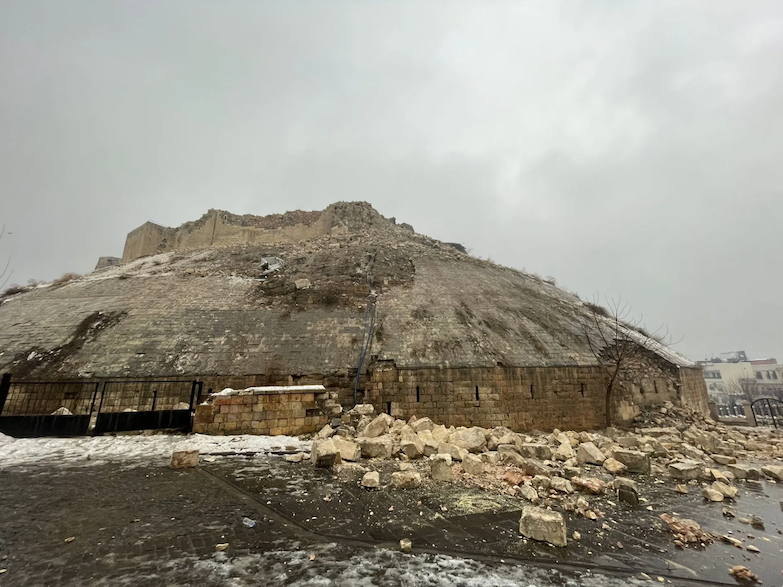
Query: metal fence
pixel 71 408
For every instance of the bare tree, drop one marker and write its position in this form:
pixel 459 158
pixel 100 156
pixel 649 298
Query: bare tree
pixel 616 339
pixel 744 387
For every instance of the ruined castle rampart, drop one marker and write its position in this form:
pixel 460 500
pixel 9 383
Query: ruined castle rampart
pixel 218 227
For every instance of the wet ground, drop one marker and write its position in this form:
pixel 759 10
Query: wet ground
pixel 151 525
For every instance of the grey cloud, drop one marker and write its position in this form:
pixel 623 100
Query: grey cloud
pixel 626 148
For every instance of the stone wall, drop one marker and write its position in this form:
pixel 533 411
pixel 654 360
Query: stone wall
pixel 521 398
pixel 147 239
pixel 268 411
pixel 221 228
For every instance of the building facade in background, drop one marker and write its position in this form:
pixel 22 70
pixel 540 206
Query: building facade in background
pixel 732 378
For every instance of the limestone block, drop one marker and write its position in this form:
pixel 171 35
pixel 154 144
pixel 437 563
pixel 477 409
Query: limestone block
pixel 742 471
pixel 588 453
pixel 377 448
pixel 685 470
pixel 454 451
pixel 441 468
pixel 471 439
pixel 324 453
pixel 412 446
pixel 711 494
pixel 528 493
pixel 422 424
pixel 377 427
pixel 726 489
pixel 564 452
pixel 184 459
pixel 773 472
pixel 325 432
pixel 406 479
pixel 636 461
pixel 371 480
pixel 614 466
pixel 349 450
pixel 536 451
pixel 589 484
pixel 543 525
pixel 473 465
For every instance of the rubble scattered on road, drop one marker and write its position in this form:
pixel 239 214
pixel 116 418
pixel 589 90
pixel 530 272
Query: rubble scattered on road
pixel 562 469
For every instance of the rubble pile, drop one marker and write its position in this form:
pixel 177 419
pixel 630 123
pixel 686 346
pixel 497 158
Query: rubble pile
pixel 561 469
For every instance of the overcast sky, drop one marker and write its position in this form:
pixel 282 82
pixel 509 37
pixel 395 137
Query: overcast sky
pixel 630 149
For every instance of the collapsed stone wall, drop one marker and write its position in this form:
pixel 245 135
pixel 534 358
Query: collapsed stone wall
pixel 648 379
pixel 259 411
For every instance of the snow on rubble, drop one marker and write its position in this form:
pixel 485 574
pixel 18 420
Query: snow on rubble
pixel 135 450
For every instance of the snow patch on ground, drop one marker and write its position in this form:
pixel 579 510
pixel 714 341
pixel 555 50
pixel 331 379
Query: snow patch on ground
pixel 135 450
pixel 381 568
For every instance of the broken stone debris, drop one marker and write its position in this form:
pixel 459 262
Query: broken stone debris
pixel 550 468
pixel 686 531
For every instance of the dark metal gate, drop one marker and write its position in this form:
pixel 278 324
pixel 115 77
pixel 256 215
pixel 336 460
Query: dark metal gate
pixel 146 405
pixel 768 411
pixel 76 408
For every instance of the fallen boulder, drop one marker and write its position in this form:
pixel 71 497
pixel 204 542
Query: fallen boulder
pixel 376 448
pixel 349 450
pixel 406 479
pixel 324 453
pixel 421 424
pixel 440 467
pixel 636 461
pixel 564 452
pixel 184 459
pixel 628 494
pixel 543 525
pixel 614 466
pixel 711 494
pixel 325 432
pixel 773 472
pixel 471 439
pixel 589 454
pixel 742 471
pixel 412 446
pixel 371 480
pixel 377 427
pixel 534 450
pixel 472 465
pixel 685 470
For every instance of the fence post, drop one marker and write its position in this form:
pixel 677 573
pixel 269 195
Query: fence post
pixel 5 385
pixel 749 415
pixel 192 393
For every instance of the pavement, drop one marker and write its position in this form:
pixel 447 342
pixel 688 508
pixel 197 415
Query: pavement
pixel 110 524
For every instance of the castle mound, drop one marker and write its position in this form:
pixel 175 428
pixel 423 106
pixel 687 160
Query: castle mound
pixel 304 297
